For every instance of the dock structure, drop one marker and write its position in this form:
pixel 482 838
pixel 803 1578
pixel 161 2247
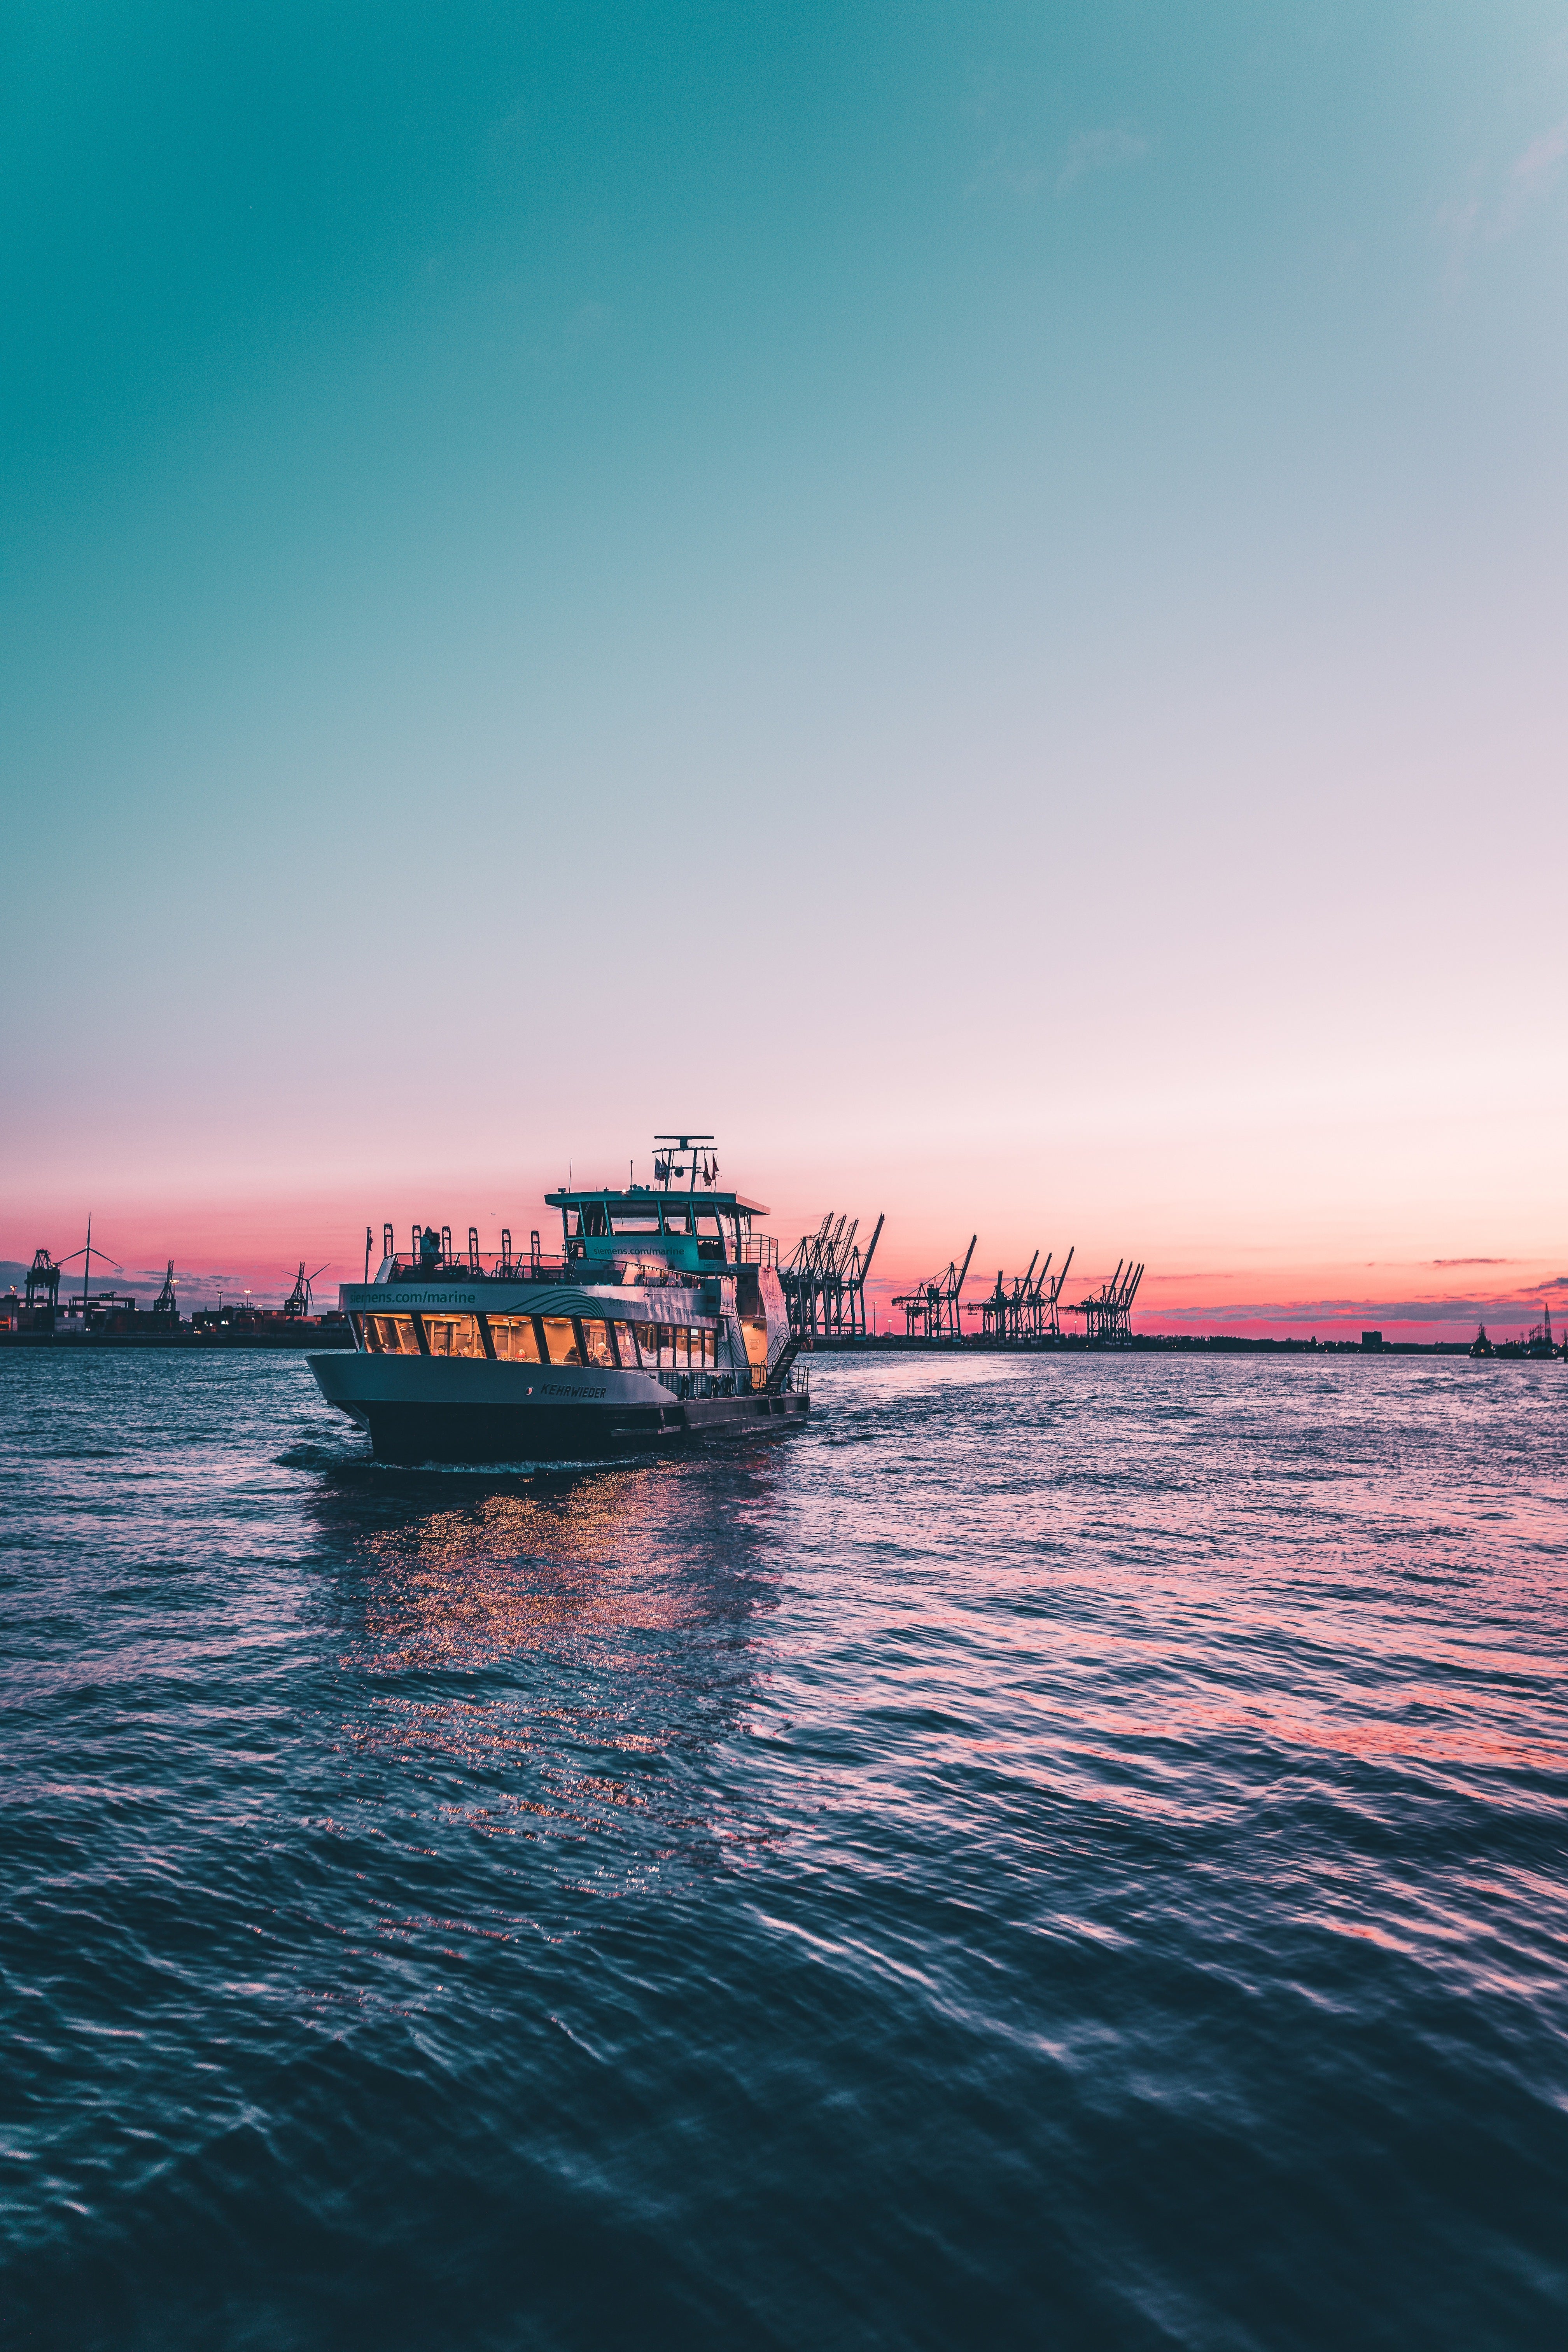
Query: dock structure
pixel 1108 1312
pixel 931 1309
pixel 824 1281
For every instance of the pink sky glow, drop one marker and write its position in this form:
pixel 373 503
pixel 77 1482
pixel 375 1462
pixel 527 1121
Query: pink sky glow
pixel 240 1243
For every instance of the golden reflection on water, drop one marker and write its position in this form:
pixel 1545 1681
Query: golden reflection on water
pixel 501 1572
pixel 572 1570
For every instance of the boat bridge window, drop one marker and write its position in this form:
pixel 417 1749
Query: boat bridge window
pixel 636 1221
pixel 514 1339
pixel 677 1217
pixel 592 1219
pixel 453 1335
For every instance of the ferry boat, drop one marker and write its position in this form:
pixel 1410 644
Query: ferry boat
pixel 663 1317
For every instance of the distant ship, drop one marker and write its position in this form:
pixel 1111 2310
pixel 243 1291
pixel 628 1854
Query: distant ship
pixel 1482 1345
pixel 663 1317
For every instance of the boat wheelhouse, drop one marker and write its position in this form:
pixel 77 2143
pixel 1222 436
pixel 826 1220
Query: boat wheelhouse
pixel 662 1316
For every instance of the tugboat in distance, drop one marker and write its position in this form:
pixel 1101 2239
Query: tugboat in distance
pixel 663 1317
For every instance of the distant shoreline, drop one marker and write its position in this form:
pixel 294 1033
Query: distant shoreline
pixel 1163 1343
pixel 313 1334
pixel 1156 1343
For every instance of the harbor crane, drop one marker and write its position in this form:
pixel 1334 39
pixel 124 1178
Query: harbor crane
pixel 824 1281
pixel 932 1310
pixel 1027 1313
pixel 1048 1324
pixel 1108 1312
pixel 42 1275
pixel 1004 1315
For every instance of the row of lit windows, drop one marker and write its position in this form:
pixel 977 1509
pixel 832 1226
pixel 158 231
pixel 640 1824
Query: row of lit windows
pixel 541 1339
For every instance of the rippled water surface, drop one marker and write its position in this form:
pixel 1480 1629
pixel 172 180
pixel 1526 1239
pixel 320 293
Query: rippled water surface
pixel 1056 1852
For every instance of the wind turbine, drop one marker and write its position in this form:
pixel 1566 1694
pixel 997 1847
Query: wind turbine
pixel 86 1256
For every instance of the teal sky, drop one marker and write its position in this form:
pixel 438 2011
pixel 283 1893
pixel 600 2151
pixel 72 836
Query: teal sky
pixel 971 598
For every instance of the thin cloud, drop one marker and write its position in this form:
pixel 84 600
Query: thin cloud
pixel 1479 218
pixel 1472 1261
pixel 1099 151
pixel 1455 1311
pixel 1015 167
pixel 1532 176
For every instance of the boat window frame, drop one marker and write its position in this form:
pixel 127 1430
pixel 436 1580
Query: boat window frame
pixel 449 1322
pixel 574 1361
pixel 375 1340
pixel 512 1321
pixel 581 1324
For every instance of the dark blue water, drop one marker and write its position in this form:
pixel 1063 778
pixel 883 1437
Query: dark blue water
pixel 1058 1854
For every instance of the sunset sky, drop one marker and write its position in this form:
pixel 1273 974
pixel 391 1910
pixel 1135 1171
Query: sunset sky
pixel 970 598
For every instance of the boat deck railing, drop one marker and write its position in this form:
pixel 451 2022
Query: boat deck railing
pixel 750 1381
pixel 647 1274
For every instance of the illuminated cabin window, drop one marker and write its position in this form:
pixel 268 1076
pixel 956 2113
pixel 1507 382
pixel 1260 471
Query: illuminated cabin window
pixel 514 1339
pixel 560 1339
pixel 453 1335
pixel 627 1347
pixel 390 1334
pixel 596 1341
